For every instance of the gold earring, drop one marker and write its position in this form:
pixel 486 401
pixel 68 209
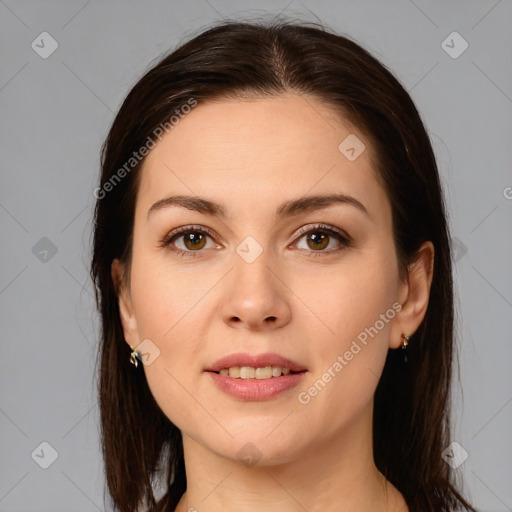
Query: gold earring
pixel 135 357
pixel 405 342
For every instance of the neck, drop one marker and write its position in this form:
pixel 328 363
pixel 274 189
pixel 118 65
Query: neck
pixel 336 474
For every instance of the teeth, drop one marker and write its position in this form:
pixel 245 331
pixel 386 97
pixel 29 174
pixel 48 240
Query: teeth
pixel 276 371
pixel 263 373
pixel 247 372
pixel 234 372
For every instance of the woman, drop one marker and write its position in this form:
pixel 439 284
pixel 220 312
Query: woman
pixel 272 267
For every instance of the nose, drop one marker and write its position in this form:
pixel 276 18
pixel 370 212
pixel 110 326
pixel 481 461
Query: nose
pixel 256 296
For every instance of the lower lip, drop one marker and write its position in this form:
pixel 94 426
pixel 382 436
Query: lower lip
pixel 256 389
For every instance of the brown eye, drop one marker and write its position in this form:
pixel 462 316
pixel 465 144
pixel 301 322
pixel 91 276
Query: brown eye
pixel 322 239
pixel 189 240
pixel 194 240
pixel 317 240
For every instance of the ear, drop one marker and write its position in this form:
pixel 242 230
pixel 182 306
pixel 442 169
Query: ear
pixel 128 320
pixel 414 295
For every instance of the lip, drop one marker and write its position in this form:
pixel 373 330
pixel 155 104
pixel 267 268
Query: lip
pixel 255 361
pixel 254 389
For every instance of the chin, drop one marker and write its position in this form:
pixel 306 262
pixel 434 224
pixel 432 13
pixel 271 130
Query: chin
pixel 255 446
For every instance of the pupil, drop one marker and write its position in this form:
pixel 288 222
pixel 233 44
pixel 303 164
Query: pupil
pixel 195 239
pixel 319 240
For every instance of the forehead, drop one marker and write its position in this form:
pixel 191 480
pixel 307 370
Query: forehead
pixel 239 152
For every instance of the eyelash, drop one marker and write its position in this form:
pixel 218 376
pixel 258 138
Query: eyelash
pixel 344 239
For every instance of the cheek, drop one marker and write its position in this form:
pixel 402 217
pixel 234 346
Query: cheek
pixel 164 294
pixel 349 297
pixel 169 306
pixel 354 313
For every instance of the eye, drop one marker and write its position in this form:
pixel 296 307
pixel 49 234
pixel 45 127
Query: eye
pixel 320 237
pixel 188 240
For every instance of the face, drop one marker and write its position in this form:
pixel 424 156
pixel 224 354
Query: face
pixel 312 282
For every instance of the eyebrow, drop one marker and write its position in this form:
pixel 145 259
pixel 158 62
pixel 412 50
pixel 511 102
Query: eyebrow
pixel 286 209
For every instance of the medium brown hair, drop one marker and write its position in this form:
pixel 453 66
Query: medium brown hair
pixel 412 402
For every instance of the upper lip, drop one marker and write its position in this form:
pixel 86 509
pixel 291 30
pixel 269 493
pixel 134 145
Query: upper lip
pixel 254 361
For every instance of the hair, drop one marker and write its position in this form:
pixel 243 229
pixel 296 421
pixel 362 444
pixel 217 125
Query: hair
pixel 232 60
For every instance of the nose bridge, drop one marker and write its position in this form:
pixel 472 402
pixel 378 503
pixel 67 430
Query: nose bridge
pixel 255 297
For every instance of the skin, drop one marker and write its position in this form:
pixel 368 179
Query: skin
pixel 315 456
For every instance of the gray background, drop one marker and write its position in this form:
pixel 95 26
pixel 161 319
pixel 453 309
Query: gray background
pixel 55 113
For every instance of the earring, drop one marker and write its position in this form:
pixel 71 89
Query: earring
pixel 135 357
pixel 405 343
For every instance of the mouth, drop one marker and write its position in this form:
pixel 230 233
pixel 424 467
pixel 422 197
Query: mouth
pixel 259 373
pixel 260 366
pixel 256 377
pixel 255 384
